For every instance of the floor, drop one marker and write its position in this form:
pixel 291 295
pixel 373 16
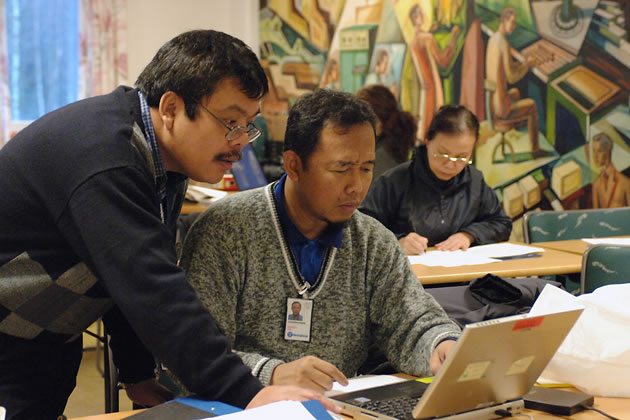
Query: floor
pixel 88 397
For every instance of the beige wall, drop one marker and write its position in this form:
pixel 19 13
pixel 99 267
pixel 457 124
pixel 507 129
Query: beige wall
pixel 153 22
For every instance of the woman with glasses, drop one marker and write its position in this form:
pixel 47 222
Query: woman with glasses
pixel 438 198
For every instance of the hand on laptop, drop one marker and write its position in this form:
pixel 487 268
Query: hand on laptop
pixel 439 354
pixel 275 393
pixel 308 372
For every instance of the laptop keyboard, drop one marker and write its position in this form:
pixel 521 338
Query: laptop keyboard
pixel 395 407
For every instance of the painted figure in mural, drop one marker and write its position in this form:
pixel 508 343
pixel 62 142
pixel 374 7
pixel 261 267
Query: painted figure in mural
pixel 501 69
pixel 330 79
pixel 395 129
pixel 381 73
pixel 611 188
pixel 427 55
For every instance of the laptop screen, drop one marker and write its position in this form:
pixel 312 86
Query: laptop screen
pixel 247 172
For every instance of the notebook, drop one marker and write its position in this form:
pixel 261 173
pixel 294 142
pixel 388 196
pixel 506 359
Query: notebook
pixel 247 172
pixel 492 366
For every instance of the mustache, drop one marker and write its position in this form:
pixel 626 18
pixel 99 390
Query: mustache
pixel 233 156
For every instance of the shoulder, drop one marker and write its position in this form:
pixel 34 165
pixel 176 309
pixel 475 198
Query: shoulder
pixel 239 206
pixel 366 229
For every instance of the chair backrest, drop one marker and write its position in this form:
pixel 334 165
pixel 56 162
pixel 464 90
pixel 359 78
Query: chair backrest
pixel 604 264
pixel 550 225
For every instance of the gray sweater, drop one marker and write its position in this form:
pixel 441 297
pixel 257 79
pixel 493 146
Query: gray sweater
pixel 238 260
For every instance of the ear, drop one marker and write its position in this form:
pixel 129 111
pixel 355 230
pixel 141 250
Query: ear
pixel 170 103
pixel 292 165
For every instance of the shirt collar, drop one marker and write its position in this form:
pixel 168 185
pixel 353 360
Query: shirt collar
pixel 331 236
pixel 149 133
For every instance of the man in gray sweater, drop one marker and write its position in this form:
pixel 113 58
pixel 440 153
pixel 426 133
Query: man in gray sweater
pixel 253 255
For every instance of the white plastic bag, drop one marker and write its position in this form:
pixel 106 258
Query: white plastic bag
pixel 595 356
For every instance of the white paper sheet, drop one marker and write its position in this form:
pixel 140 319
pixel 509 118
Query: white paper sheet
pixel 482 254
pixel 449 259
pixel 363 382
pixel 609 241
pixel 503 249
pixel 202 195
pixel 278 410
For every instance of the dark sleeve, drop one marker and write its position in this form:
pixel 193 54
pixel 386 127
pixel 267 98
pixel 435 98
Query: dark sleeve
pixel 491 224
pixel 382 202
pixel 133 360
pixel 112 222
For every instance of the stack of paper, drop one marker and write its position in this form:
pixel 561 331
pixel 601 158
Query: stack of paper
pixel 483 254
pixel 203 195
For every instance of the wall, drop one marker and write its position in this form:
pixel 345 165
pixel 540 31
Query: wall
pixel 566 146
pixel 153 22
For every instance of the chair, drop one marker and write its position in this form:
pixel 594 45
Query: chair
pixel 604 264
pixel 501 126
pixel 109 372
pixel 552 225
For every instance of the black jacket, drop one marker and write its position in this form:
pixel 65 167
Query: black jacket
pixel 81 231
pixel 410 197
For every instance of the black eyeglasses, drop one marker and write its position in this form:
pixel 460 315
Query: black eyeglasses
pixel 235 132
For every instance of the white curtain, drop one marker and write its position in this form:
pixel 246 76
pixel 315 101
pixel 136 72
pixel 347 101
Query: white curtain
pixel 5 105
pixel 103 46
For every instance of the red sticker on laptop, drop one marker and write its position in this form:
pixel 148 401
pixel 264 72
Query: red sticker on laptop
pixel 525 324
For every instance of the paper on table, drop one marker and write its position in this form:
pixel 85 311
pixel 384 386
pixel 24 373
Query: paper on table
pixel 609 241
pixel 362 382
pixel 277 410
pixel 203 195
pixel 503 249
pixel 449 258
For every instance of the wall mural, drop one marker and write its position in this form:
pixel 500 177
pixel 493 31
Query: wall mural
pixel 549 81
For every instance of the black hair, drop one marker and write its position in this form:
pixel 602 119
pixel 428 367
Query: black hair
pixel 312 111
pixel 194 62
pixel 453 119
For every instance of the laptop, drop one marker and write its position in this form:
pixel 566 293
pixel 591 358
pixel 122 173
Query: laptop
pixel 247 172
pixel 492 366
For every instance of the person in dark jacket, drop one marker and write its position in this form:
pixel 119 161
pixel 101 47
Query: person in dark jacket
pixel 438 198
pixel 395 129
pixel 91 194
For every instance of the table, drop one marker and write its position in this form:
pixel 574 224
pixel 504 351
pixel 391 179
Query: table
pixel 551 262
pixel 575 246
pixel 617 407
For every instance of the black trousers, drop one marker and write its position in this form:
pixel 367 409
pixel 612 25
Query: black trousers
pixel 36 378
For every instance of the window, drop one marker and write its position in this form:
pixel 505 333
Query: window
pixel 43 56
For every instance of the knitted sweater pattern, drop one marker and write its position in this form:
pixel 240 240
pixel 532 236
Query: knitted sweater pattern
pixel 238 260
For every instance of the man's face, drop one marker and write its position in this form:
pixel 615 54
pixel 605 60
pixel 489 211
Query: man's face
pixel 338 174
pixel 198 148
pixel 296 308
pixel 453 145
pixel 600 155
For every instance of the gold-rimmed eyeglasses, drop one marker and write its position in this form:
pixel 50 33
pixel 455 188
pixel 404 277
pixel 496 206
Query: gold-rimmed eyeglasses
pixel 460 160
pixel 235 132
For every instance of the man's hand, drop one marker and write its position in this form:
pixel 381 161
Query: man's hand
pixel 308 372
pixel 460 240
pixel 414 244
pixel 275 393
pixel 439 354
pixel 148 393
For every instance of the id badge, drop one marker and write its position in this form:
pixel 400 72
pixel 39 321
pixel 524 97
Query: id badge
pixel 297 326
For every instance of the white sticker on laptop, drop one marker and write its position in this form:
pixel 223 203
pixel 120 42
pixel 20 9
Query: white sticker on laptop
pixel 474 371
pixel 520 366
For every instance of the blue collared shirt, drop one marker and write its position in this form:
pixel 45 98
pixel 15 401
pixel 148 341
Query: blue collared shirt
pixel 309 254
